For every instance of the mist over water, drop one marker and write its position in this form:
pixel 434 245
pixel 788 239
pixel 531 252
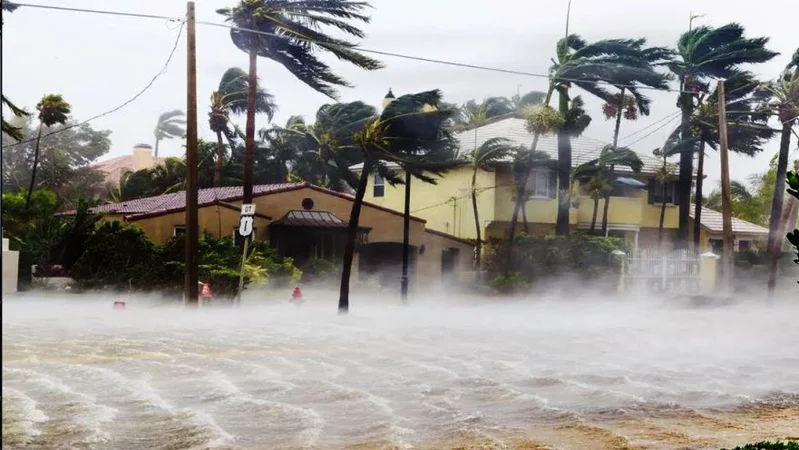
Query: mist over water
pixel 444 372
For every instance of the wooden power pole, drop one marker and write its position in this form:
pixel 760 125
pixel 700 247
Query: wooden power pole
pixel 192 226
pixel 726 209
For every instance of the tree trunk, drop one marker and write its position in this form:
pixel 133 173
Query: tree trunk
pixel 524 218
pixel 521 198
pixel 249 138
pixel 479 242
pixel 700 172
pixel 606 206
pixel 155 152
pixel 686 173
pixel 787 221
pixel 779 189
pixel 36 163
pixel 220 157
pixel 352 236
pixel 662 215
pixel 564 170
pixel 593 216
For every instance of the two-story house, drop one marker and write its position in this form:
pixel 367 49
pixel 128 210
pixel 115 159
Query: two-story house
pixel 634 211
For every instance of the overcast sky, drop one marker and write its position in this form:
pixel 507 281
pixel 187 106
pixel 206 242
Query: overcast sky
pixel 97 61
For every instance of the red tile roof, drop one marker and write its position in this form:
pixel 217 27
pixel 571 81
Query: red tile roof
pixel 114 167
pixel 168 203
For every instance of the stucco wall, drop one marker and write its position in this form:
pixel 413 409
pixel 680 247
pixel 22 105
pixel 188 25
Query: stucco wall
pixel 10 268
pixel 428 265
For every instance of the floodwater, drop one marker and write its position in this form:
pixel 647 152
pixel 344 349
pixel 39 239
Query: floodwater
pixel 435 375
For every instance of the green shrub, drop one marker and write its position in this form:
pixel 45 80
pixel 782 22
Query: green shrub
pixel 512 282
pixel 536 259
pixel 790 445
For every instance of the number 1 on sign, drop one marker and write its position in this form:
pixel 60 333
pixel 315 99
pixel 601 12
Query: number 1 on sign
pixel 245 226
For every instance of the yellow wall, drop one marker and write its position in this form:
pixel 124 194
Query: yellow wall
pixel 430 202
pixel 386 227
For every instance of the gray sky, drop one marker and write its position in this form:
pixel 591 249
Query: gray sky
pixel 97 62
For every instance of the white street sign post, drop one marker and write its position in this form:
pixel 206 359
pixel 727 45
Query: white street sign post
pixel 245 230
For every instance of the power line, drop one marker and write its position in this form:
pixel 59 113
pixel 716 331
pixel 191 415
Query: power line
pixel 653 131
pixel 131 100
pixel 360 49
pixel 670 116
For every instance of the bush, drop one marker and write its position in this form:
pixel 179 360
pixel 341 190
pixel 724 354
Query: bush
pixel 320 270
pixel 117 255
pixel 509 283
pixel 535 259
pixel 790 445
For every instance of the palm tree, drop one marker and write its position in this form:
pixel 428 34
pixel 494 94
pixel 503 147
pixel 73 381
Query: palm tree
pixel 614 61
pixel 747 127
pixel 411 132
pixel 287 32
pixel 231 98
pixel 524 162
pixel 785 105
pixel 327 149
pixel 600 177
pixel 52 110
pixel 169 126
pixel 520 103
pixel 486 157
pixel 704 53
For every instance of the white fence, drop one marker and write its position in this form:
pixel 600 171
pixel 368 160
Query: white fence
pixel 663 271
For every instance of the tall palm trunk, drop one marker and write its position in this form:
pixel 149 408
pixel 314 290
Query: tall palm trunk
pixel 352 236
pixel 686 172
pixel 479 244
pixel 606 207
pixel 700 173
pixel 36 163
pixel 155 152
pixel 779 189
pixel 662 215
pixel 564 167
pixel 521 198
pixel 249 138
pixel 593 215
pixel 220 159
pixel 524 218
pixel 788 218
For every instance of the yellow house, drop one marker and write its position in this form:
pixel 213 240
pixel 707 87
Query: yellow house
pixel 634 212
pixel 305 222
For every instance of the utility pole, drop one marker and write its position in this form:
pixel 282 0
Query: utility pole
pixel 726 211
pixel 192 221
pixel 406 238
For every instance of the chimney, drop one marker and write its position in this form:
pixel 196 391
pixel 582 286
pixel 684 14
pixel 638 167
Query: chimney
pixel 142 157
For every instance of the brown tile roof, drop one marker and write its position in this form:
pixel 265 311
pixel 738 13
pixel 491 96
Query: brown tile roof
pixel 713 221
pixel 315 219
pixel 168 203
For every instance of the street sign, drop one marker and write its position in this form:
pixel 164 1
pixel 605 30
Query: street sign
pixel 245 226
pixel 248 209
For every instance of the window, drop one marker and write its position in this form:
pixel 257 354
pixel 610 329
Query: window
pixel 237 236
pixel 380 186
pixel 542 183
pixel 656 192
pixel 178 230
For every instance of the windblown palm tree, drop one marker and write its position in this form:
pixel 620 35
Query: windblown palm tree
pixel 486 157
pixel 704 53
pixel 287 32
pixel 10 130
pixel 52 110
pixel 619 62
pixel 169 126
pixel 231 98
pixel 784 105
pixel 411 131
pixel 599 174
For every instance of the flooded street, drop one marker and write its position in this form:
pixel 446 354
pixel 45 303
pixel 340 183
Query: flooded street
pixel 577 375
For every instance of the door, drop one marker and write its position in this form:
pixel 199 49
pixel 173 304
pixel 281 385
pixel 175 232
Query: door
pixel 449 261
